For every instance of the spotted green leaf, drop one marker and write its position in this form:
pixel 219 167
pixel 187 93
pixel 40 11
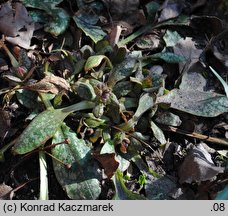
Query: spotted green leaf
pixel 80 180
pixel 44 126
pixel 56 19
pixel 168 118
pixel 165 56
pixel 58 23
pixel 206 104
pixel 87 25
pixel 124 69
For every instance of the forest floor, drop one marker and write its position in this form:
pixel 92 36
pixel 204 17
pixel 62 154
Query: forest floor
pixel 126 99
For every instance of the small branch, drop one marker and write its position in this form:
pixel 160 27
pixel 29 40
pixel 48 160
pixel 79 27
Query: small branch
pixel 214 140
pixel 68 166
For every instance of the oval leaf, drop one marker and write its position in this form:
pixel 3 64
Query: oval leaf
pixel 165 56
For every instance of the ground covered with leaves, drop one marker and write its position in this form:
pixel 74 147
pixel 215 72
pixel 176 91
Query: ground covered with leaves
pixel 110 99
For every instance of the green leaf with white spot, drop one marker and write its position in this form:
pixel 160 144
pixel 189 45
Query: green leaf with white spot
pixel 124 69
pixel 58 23
pixel 165 56
pixel 44 126
pixel 168 118
pixel 87 24
pixel 80 181
pixel 56 19
pixel 206 104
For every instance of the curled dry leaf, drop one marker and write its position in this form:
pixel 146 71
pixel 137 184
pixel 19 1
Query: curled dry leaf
pixel 50 84
pixel 108 162
pixel 16 24
pixel 198 166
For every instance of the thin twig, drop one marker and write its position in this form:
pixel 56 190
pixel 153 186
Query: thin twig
pixel 214 140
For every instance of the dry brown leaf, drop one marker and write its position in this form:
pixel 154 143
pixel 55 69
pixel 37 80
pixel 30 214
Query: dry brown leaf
pixel 170 11
pixel 198 166
pixel 16 24
pixel 6 192
pixel 50 84
pixel 108 162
